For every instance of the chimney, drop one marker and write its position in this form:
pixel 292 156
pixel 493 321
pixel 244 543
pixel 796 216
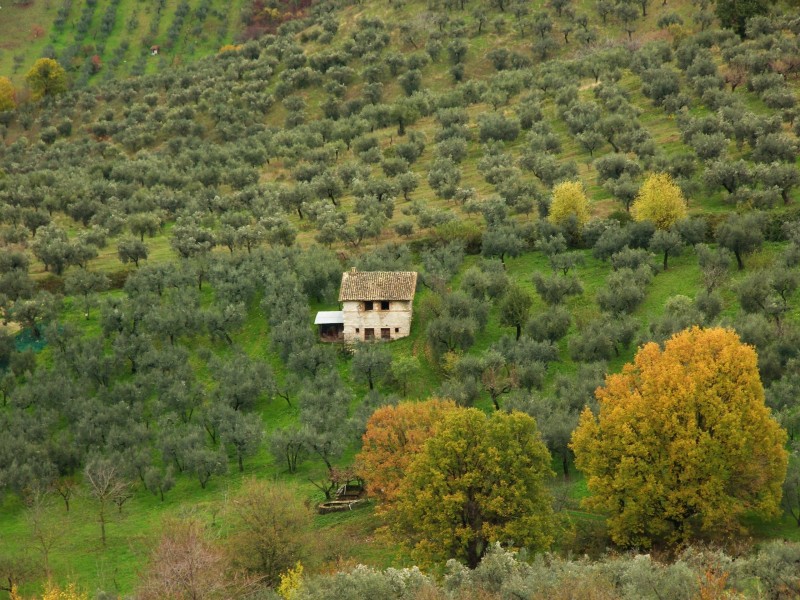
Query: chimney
pixel 352 270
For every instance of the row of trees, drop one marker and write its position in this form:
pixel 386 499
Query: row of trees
pixel 158 185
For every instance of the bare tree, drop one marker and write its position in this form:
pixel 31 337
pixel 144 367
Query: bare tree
pixel 46 533
pixel 15 570
pixel 106 485
pixel 66 487
pixel 185 564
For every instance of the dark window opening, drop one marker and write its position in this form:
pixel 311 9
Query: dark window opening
pixel 397 330
pixel 384 305
pixel 368 305
pixel 357 329
pixel 369 333
pixel 386 333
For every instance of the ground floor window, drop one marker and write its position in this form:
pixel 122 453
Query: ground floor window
pixel 369 333
pixel 386 333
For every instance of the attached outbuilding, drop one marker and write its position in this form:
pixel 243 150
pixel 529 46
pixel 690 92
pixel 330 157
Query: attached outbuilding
pixel 331 325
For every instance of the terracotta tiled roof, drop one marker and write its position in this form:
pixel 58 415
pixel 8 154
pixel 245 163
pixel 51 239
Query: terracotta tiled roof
pixel 378 285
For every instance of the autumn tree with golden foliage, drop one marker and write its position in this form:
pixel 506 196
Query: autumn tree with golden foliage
pixel 569 200
pixel 683 444
pixel 7 95
pixel 54 592
pixel 46 78
pixel 659 200
pixel 476 481
pixel 393 437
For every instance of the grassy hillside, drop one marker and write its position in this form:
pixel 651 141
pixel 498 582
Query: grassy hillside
pixel 119 32
pixel 383 135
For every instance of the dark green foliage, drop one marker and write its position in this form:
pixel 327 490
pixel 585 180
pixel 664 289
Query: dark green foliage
pixel 551 325
pixel 667 243
pixel 679 313
pixel 735 14
pixel 515 308
pixel 494 126
pixel 632 258
pixel 613 166
pixel 460 320
pixel 441 263
pixel 769 292
pixel 131 250
pixel 371 363
pixel 741 234
pixel 602 339
pixel 503 239
pixel 612 239
pixel 625 290
pixel 554 289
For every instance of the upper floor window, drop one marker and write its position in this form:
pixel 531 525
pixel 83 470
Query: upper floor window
pixel 384 305
pixel 368 305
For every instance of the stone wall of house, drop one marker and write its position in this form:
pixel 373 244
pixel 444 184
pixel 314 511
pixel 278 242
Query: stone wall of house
pixel 357 320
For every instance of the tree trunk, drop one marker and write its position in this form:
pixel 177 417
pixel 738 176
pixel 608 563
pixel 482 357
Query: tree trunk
pixel 519 331
pixel 739 261
pixel 103 524
pixel 473 555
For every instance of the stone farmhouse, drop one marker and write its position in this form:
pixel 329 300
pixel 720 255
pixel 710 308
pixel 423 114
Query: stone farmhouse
pixel 376 305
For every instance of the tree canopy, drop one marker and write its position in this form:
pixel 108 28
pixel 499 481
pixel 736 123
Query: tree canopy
pixel 394 436
pixel 659 200
pixel 46 78
pixel 569 200
pixel 683 444
pixel 7 95
pixel 478 480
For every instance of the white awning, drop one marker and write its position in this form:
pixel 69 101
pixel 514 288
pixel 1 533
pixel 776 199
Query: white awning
pixel 329 317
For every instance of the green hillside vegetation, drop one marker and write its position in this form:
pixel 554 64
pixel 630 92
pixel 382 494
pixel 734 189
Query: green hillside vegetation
pixel 106 39
pixel 170 224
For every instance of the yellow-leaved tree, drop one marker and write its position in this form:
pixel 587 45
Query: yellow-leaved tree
pixel 569 200
pixel 46 78
pixel 54 592
pixel 7 95
pixel 659 200
pixel 683 444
